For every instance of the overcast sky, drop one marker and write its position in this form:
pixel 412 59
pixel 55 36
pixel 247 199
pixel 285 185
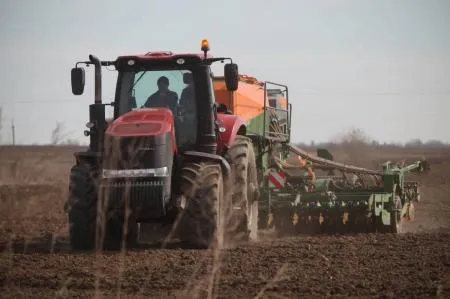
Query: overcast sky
pixel 382 66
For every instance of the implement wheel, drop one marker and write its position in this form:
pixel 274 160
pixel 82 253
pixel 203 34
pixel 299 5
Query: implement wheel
pixel 396 220
pixel 396 217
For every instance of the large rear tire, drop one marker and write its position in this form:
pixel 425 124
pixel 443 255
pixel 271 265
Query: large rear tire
pixel 201 223
pixel 243 224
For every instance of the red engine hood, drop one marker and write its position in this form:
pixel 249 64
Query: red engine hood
pixel 142 122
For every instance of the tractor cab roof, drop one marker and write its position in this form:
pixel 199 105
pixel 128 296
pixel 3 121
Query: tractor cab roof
pixel 164 55
pixel 162 58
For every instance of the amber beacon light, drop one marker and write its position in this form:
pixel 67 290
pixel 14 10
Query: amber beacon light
pixel 205 45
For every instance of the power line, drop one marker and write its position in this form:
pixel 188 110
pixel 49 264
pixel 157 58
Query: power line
pixel 64 101
pixel 377 94
pixel 13 132
pixel 307 93
pixel 38 102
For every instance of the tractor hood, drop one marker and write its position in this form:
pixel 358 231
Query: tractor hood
pixel 144 122
pixel 139 139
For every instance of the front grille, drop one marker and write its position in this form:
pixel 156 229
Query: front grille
pixel 124 152
pixel 140 195
pixel 138 152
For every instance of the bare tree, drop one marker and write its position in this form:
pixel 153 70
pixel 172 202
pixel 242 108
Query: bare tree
pixel 356 136
pixel 58 134
pixel 357 145
pixel 61 137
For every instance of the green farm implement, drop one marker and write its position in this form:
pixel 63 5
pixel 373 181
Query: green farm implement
pixel 357 200
pixel 292 199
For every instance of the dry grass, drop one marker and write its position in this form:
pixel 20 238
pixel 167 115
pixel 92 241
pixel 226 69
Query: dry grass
pixel 34 183
pixel 35 164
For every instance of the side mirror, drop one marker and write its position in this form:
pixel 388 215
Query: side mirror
pixel 231 76
pixel 77 79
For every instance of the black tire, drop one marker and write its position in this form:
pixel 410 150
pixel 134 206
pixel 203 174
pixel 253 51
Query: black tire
pixel 200 225
pixel 110 228
pixel 82 207
pixel 243 224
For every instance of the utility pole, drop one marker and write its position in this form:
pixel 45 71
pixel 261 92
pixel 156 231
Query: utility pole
pixel 13 131
pixel 1 123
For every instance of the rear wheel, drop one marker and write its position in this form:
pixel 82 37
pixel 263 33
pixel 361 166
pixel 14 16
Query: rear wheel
pixel 201 223
pixel 243 224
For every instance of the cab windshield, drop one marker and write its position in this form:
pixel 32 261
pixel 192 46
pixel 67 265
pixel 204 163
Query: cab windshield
pixel 172 89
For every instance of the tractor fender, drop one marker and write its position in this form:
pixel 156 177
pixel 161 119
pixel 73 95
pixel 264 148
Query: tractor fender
pixel 229 127
pixel 201 156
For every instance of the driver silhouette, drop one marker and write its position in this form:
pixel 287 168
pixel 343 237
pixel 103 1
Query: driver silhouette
pixel 163 97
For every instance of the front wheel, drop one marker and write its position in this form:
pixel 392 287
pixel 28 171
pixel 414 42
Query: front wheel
pixel 89 228
pixel 82 208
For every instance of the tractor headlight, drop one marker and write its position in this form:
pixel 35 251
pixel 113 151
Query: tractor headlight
pixel 160 172
pixel 136 173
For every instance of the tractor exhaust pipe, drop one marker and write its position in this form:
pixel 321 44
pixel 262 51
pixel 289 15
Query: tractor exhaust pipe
pixel 97 110
pixel 98 78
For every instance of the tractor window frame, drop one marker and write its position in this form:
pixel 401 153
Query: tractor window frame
pixel 126 78
pixel 186 136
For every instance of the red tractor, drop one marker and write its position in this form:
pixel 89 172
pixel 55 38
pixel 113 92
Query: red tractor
pixel 170 156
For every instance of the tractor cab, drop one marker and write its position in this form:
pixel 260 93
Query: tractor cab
pixel 159 89
pixel 165 92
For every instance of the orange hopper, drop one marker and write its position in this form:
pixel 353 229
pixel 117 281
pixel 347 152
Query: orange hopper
pixel 248 100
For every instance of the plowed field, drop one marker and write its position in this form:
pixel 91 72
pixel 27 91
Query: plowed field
pixel 36 261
